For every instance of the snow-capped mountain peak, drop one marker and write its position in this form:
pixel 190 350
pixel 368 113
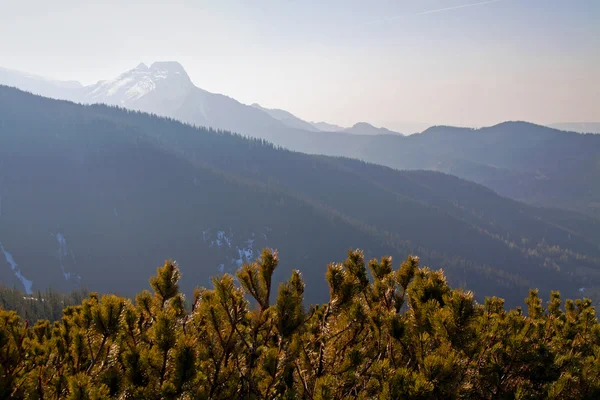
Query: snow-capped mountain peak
pixel 167 76
pixel 169 67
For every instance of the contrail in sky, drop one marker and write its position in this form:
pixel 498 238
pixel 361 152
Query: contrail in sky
pixel 457 7
pixel 433 11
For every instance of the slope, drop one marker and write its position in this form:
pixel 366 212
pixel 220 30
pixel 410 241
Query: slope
pixel 581 127
pixel 101 193
pixel 431 213
pixel 287 118
pixel 527 162
pixel 518 160
pixel 364 128
pixel 87 200
pixel 39 85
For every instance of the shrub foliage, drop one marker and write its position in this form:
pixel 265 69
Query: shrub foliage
pixel 396 334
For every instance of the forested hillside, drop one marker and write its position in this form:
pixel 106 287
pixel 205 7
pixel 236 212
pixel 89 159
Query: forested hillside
pixel 387 333
pixel 536 164
pixel 91 200
pixel 47 304
pixel 96 195
pixel 527 162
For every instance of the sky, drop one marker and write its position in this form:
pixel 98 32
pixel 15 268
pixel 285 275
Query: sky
pixel 391 63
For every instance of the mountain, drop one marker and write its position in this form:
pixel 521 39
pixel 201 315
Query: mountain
pixel 164 88
pixel 523 161
pixel 531 163
pixel 581 127
pixel 539 165
pixel 364 128
pixel 327 127
pixel 98 196
pixel 161 88
pixel 39 85
pixel 95 196
pixel 287 118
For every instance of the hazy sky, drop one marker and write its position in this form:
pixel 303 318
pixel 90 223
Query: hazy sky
pixel 433 61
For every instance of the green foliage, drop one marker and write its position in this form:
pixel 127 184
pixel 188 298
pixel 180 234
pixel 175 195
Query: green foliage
pixel 399 334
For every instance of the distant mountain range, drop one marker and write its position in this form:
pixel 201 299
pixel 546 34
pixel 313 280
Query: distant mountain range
pixel 99 196
pixel 327 127
pixel 581 127
pixel 364 128
pixel 288 119
pixel 360 128
pixel 527 162
pixel 164 88
pixel 39 85
pixel 539 165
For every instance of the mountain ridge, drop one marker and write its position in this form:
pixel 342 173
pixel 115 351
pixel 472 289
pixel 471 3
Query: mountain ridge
pixel 126 189
pixel 517 160
pixel 287 118
pixel 580 127
pixel 327 127
pixel 364 128
pixel 133 90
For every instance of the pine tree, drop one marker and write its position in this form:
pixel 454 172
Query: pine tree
pixel 397 334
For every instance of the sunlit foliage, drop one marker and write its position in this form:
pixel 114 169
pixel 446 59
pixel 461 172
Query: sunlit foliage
pixel 385 333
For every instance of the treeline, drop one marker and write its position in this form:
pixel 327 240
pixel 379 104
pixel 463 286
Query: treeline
pixel 47 304
pixel 398 334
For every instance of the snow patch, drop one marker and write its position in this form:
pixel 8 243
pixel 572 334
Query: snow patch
pixel 268 230
pixel 133 85
pixel 202 110
pixel 242 252
pixel 111 87
pixel 222 239
pixel 140 89
pixel 31 298
pixel 245 254
pixel 62 253
pixel 13 265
